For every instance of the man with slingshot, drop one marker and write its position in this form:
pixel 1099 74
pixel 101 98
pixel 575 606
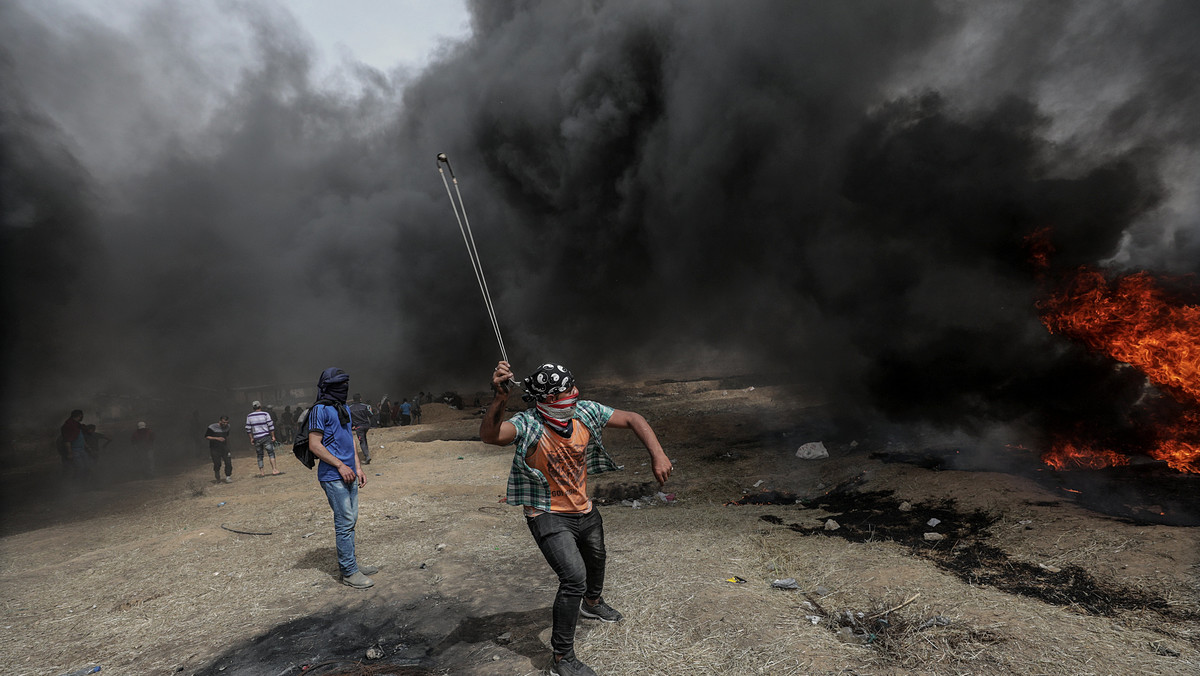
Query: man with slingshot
pixel 557 444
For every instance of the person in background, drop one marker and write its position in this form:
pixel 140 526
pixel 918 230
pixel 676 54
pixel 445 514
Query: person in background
pixel 261 431
pixel 142 441
pixel 360 422
pixel 558 444
pixel 288 422
pixel 73 446
pixel 217 435
pixel 416 410
pixel 331 440
pixel 385 412
pixel 405 412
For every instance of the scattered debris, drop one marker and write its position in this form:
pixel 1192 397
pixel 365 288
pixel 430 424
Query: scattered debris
pixel 243 532
pixel 815 619
pixel 849 635
pixel 440 546
pixel 830 524
pixel 905 506
pixel 786 583
pixel 506 637
pixel 933 522
pixel 1049 569
pixel 813 450
pixel 374 653
pixel 736 580
pixel 938 620
pixel 1159 649
pixel 758 483
pixel 934 537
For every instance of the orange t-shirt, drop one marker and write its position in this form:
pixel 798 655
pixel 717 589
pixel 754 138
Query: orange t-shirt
pixel 563 461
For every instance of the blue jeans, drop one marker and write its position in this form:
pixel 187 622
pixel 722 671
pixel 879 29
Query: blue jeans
pixel 573 545
pixel 343 499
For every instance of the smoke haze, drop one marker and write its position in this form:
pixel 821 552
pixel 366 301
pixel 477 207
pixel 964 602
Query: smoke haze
pixel 840 191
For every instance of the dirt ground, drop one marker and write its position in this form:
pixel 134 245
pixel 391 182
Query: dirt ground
pixel 148 576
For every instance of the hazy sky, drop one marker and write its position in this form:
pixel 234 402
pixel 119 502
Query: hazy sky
pixel 382 33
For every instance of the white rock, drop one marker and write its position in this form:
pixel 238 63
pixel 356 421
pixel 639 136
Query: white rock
pixel 813 450
pixel 934 537
pixel 933 522
pixel 832 525
pixel 374 653
pixel 905 506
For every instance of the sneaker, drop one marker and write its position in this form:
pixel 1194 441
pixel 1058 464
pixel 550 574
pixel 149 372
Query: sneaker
pixel 358 580
pixel 228 479
pixel 601 611
pixel 570 665
pixel 368 570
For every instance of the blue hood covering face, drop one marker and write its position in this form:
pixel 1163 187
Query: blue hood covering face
pixel 334 384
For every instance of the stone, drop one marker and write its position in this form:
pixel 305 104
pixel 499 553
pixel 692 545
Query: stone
pixel 814 450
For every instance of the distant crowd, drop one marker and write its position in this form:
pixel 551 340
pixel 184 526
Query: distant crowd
pixel 81 447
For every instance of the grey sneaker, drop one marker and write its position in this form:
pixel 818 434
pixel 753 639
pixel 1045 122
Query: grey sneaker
pixel 368 570
pixel 228 479
pixel 601 611
pixel 570 665
pixel 358 580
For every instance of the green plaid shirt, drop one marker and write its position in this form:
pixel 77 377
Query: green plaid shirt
pixel 526 485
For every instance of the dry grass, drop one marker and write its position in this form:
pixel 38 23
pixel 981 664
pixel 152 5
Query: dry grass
pixel 142 579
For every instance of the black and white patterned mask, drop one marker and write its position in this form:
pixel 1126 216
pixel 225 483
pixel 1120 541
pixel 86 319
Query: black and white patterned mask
pixel 548 380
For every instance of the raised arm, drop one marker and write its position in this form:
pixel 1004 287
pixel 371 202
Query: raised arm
pixel 659 462
pixel 491 429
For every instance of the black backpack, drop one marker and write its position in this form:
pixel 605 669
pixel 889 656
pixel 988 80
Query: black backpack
pixel 300 442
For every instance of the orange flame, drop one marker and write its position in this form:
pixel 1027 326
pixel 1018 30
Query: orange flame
pixel 1133 320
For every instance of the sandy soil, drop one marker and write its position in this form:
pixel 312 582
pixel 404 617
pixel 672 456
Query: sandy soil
pixel 148 576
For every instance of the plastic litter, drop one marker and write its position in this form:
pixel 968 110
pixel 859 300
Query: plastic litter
pixel 736 580
pixel 85 670
pixel 933 522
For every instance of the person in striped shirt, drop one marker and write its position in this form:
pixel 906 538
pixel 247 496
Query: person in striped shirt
pixel 558 443
pixel 261 430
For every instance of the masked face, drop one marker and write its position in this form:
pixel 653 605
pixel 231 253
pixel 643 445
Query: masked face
pixel 558 410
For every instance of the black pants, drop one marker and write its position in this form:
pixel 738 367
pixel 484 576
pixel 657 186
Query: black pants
pixel 217 457
pixel 573 545
pixel 361 433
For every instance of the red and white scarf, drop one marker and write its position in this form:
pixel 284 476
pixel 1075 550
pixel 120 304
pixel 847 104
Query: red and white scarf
pixel 557 415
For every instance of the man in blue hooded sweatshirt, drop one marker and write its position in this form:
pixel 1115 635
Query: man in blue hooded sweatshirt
pixel 339 470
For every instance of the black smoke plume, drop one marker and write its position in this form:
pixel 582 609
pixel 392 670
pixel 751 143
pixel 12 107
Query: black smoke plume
pixel 840 191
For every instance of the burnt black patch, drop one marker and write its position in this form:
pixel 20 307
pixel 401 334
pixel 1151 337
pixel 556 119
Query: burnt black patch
pixel 419 637
pixel 769 498
pixel 965 551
